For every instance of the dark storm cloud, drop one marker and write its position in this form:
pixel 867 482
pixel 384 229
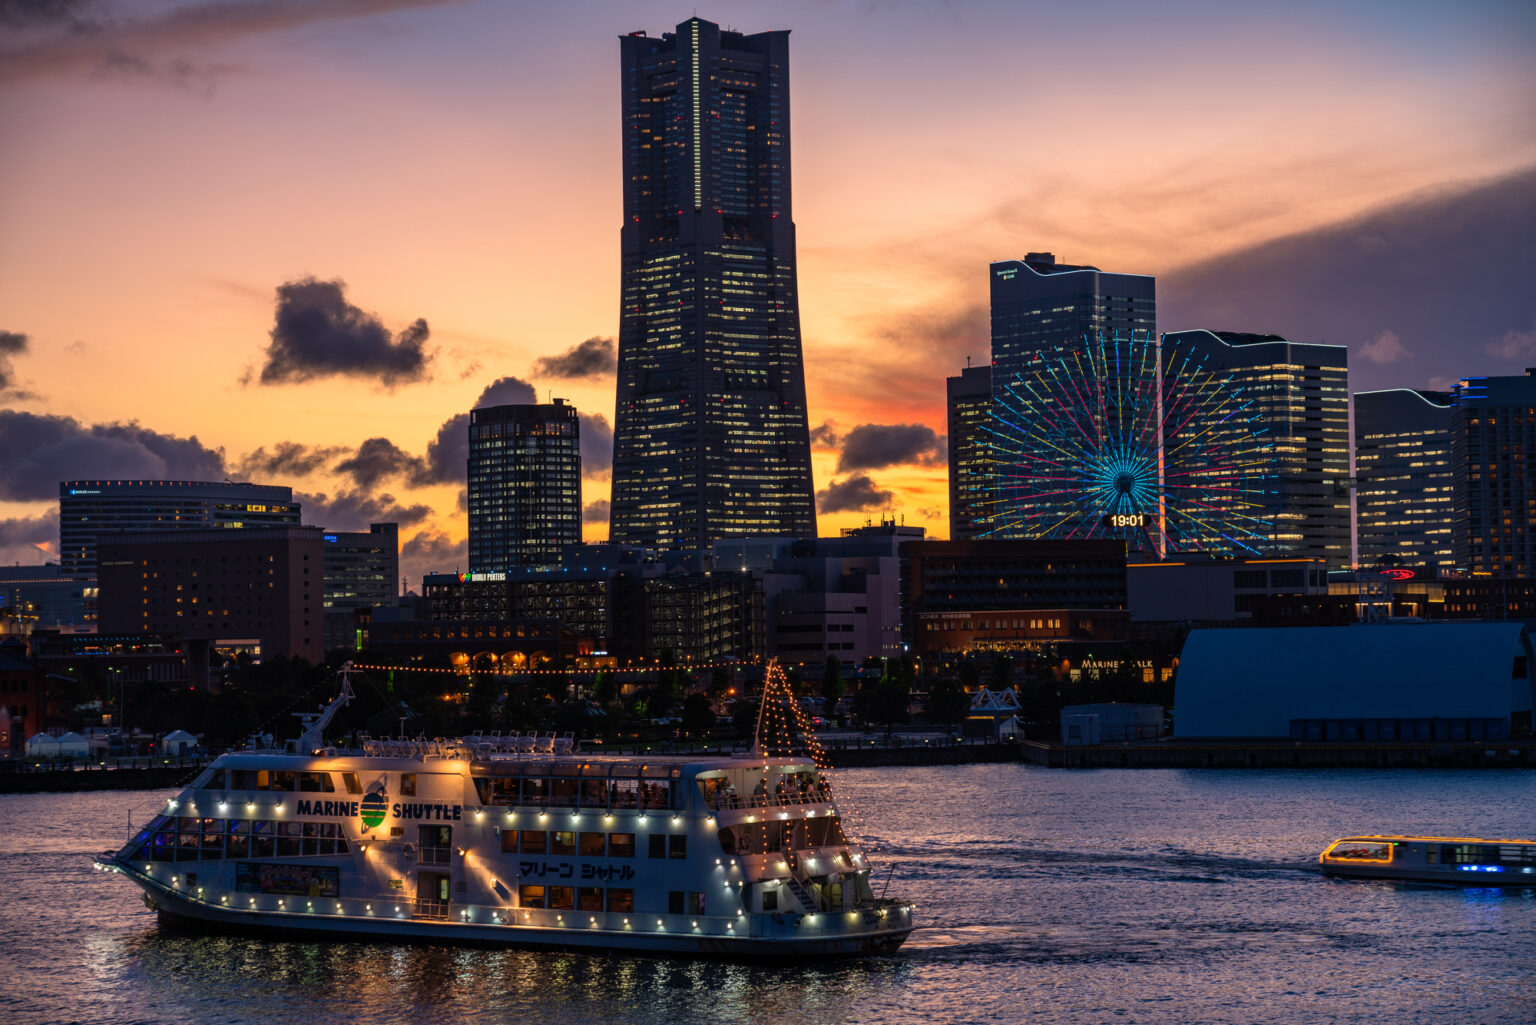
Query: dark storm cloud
pixel 875 446
pixel 596 445
pixel 852 495
pixel 29 540
pixel 377 459
pixel 288 459
pixel 60 37
pixel 319 334
pixel 825 435
pixel 1436 286
pixel 595 512
pixel 431 551
pixel 354 510
pixel 507 391
pixel 52 13
pixel 591 358
pixel 447 458
pixel 11 344
pixel 39 451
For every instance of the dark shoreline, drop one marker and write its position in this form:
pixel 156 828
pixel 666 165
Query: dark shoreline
pixel 1162 755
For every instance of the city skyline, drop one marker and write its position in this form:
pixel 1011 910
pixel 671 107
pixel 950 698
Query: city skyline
pixel 189 182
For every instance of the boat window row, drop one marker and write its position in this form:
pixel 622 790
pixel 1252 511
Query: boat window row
pixel 793 835
pixel 190 839
pixel 282 780
pixel 770 789
pixel 576 792
pixel 568 842
pixel 576 898
pixel 1481 854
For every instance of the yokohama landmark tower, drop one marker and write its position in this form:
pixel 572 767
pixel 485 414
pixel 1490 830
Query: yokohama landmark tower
pixel 710 430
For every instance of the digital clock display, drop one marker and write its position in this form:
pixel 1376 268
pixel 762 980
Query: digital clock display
pixel 1120 521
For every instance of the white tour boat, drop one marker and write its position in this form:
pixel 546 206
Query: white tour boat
pixel 1442 859
pixel 518 840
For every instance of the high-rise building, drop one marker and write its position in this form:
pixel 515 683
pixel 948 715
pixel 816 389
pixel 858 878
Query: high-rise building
pixel 1493 447
pixel 710 430
pixel 1044 310
pixel 1299 392
pixel 91 507
pixel 362 571
pixel 1404 487
pixel 970 408
pixel 524 485
pixel 1039 304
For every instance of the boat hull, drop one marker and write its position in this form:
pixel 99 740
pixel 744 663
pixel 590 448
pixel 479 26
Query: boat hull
pixel 1446 874
pixel 782 939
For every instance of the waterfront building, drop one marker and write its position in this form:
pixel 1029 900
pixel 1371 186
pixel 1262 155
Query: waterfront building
pixel 969 401
pixel 1194 590
pixel 1404 486
pixel 1380 682
pixel 259 589
pixel 1033 590
pixel 524 485
pixel 1300 392
pixel 91 507
pixel 362 571
pixel 23 697
pixel 711 437
pixel 1493 459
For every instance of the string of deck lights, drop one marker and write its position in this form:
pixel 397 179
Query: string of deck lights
pixel 460 671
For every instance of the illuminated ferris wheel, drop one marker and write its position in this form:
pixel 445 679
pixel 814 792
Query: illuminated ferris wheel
pixel 1132 439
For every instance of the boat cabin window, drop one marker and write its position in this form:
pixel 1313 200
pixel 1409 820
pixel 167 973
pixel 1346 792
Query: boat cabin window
pixel 534 841
pixel 562 792
pixel 677 845
pixel 408 784
pixel 530 895
pixel 593 845
pixel 316 783
pixel 1361 850
pixel 621 845
pixel 562 898
pixel 562 842
pixel 621 899
pixel 589 898
pixel 349 780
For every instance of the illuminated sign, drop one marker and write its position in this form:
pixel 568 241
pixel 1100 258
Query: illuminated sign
pixel 1398 574
pixel 1117 521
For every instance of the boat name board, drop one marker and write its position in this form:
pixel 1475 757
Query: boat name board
pixel 566 870
pixel 398 810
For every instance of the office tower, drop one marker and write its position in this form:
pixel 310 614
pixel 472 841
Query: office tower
pixel 710 429
pixel 1052 312
pixel 970 408
pixel 1039 304
pixel 1404 487
pixel 91 507
pixel 1493 455
pixel 524 485
pixel 362 571
pixel 1300 393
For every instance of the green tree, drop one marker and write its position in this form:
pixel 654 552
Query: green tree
pixel 698 715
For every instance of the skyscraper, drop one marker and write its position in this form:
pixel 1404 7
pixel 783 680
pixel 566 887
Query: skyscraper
pixel 710 430
pixel 1493 449
pixel 1300 394
pixel 1404 485
pixel 524 485
pixel 1044 309
pixel 970 407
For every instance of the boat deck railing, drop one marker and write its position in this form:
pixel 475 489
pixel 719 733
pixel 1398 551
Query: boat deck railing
pixel 483 746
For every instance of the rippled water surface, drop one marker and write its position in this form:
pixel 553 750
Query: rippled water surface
pixel 1129 896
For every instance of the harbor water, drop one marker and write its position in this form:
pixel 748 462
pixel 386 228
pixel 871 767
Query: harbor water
pixel 1162 896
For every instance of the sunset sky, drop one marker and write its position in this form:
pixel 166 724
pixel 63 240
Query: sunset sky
pixel 1364 176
